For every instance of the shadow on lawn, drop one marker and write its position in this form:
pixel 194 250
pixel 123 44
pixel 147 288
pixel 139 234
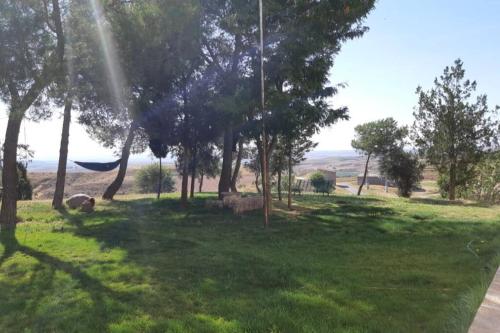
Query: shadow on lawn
pixel 208 269
pixel 92 286
pixel 445 202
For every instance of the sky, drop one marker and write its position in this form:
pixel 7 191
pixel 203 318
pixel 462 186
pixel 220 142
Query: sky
pixel 409 43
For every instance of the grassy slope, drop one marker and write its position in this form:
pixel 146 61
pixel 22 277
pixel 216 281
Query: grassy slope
pixel 342 265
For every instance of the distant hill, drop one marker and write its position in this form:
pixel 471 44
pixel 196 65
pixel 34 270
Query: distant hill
pixel 51 165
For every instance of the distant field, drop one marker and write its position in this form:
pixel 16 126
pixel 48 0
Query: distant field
pixel 335 264
pixel 95 184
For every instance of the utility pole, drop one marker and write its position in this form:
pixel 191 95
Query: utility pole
pixel 265 180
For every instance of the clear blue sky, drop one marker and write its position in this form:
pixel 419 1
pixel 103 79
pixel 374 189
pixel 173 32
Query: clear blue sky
pixel 409 43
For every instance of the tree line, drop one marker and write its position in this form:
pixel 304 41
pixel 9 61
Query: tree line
pixel 454 131
pixel 177 76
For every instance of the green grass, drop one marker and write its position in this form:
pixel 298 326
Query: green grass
pixel 342 265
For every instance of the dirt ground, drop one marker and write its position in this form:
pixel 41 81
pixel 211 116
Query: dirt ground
pixel 95 183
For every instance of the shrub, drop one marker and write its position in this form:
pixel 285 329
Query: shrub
pixel 146 179
pixel 24 188
pixel 318 181
pixel 485 186
pixel 404 168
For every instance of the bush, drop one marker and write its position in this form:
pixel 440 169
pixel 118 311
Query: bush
pixel 485 186
pixel 146 179
pixel 24 188
pixel 318 181
pixel 404 169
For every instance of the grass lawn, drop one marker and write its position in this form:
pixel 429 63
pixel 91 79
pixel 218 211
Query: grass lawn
pixel 339 264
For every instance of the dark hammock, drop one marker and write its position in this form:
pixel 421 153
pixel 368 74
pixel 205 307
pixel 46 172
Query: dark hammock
pixel 101 167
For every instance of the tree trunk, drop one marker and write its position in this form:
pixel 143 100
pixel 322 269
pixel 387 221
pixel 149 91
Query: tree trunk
pixel 237 166
pixel 266 186
pixel 201 181
pixel 364 175
pixel 227 160
pixel 453 181
pixel 290 179
pixel 160 180
pixel 8 213
pixel 193 174
pixel 117 183
pixel 185 178
pixel 279 185
pixel 257 183
pixel 57 201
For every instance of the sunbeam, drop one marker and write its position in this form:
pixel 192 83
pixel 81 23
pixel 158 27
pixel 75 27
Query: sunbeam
pixel 113 67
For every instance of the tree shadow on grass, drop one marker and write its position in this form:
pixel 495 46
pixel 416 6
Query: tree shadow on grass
pixel 445 202
pixel 95 289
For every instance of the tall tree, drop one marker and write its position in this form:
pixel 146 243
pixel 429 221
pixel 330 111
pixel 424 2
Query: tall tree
pixel 376 138
pixel 107 101
pixel 452 129
pixel 29 63
pixel 63 91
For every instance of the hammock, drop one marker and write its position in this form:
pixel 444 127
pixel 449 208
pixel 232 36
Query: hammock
pixel 101 167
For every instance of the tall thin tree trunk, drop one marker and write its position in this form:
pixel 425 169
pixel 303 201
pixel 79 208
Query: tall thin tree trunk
pixel 290 178
pixel 160 180
pixel 57 201
pixel 227 160
pixel 257 183
pixel 8 213
pixel 266 186
pixel 453 181
pixel 193 173
pixel 185 178
pixel 364 175
pixel 237 166
pixel 279 185
pixel 201 181
pixel 117 183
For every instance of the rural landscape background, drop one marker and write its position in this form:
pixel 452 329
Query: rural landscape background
pixel 241 166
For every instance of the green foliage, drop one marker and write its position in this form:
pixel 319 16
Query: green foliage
pixel 146 179
pixel 404 168
pixel 485 186
pixel 379 137
pixel 151 267
pixel 452 130
pixel 253 164
pixel 318 181
pixel 24 188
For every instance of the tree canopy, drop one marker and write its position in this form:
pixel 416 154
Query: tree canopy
pixel 453 127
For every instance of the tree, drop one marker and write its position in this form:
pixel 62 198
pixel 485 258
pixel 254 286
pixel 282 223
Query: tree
pixel 376 138
pixel 452 130
pixel 107 102
pixel 160 150
pixel 404 168
pixel 293 60
pixel 24 188
pixel 485 186
pixel 62 94
pixel 254 165
pixel 28 65
pixel 296 150
pixel 318 181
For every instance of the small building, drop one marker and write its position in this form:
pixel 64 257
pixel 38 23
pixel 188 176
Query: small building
pixel 330 176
